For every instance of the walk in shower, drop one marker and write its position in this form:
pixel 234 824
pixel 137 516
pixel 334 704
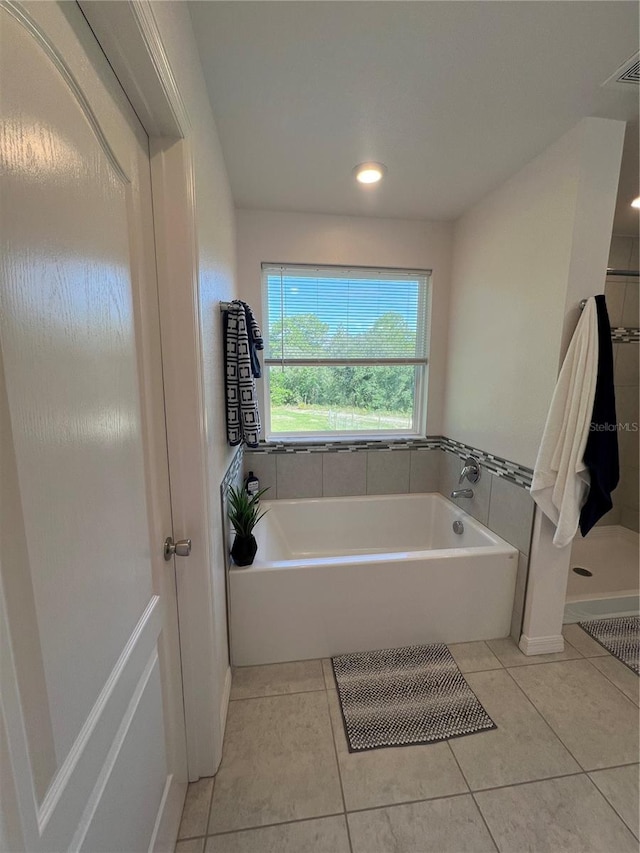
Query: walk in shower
pixel 604 577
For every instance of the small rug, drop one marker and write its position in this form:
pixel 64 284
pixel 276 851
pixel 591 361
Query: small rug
pixel 620 636
pixel 400 697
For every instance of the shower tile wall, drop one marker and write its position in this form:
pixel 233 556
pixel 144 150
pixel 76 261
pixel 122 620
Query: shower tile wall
pixel 503 507
pixel 622 304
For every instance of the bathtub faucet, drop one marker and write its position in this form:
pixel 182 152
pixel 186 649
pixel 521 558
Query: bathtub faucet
pixel 471 470
pixel 462 493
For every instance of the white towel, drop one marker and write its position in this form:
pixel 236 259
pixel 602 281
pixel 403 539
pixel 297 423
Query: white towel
pixel 561 479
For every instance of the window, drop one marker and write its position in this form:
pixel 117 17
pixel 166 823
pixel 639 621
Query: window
pixel 346 351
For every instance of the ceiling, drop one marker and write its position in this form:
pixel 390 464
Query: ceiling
pixel 453 97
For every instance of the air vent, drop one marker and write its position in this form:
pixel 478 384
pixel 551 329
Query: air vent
pixel 627 75
pixel 631 74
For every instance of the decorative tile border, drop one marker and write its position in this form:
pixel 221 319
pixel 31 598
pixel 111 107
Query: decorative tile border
pixel 232 477
pixel 429 443
pixel 231 474
pixel 518 474
pixel 622 335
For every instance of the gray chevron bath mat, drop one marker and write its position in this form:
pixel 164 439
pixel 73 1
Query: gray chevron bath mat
pixel 620 636
pixel 400 697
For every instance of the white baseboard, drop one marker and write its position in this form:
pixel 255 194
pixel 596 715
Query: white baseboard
pixel 541 645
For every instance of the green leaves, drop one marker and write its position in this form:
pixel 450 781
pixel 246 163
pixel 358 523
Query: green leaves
pixel 244 510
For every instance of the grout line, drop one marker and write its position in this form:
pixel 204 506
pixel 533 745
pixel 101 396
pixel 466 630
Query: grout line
pixel 484 820
pixel 604 675
pixel 543 718
pixel 280 662
pixel 470 792
pixel 529 782
pixel 335 752
pixel 276 695
pixel 206 826
pixel 474 671
pixel 411 802
pixel 464 778
pixel 190 838
pixel 271 825
pixel 210 809
pixel 608 801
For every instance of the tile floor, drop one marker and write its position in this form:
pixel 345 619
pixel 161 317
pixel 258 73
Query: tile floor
pixel 560 773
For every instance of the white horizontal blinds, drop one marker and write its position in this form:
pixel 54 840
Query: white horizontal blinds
pixel 346 315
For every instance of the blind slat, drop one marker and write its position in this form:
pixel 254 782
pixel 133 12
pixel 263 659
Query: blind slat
pixel 338 314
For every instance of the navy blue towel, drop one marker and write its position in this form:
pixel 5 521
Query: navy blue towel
pixel 601 452
pixel 255 340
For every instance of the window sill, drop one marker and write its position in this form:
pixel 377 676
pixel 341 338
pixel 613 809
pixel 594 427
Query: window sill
pixel 333 439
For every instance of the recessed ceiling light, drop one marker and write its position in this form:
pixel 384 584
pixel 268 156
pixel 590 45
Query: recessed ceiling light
pixel 369 173
pixel 636 202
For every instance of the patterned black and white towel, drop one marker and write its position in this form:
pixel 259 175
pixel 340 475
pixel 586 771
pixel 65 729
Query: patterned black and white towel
pixel 243 418
pixel 411 695
pixel 620 636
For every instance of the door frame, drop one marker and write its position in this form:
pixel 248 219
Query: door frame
pixel 130 38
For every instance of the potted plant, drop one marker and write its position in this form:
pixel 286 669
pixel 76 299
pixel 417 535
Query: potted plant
pixel 244 514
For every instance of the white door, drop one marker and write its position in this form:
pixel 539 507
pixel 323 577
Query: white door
pixel 91 722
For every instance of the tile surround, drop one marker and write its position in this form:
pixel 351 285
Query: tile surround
pixel 511 513
pixel 299 476
pixel 478 505
pixel 501 498
pixel 424 470
pixel 388 472
pixel 343 473
pixel 519 597
pixel 519 474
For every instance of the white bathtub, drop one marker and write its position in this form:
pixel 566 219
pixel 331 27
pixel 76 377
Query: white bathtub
pixel 337 575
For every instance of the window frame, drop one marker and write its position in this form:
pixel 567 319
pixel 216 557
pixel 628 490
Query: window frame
pixel 421 372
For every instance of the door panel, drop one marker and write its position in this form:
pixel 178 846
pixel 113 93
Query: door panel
pixel 90 605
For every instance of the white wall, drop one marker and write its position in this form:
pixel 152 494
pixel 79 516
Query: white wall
pixel 267 236
pixel 215 250
pixel 523 258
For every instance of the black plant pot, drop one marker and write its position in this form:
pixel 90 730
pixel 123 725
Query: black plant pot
pixel 244 550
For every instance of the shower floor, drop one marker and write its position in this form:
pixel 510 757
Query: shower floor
pixel 610 554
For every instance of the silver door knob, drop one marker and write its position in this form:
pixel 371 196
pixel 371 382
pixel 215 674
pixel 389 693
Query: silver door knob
pixel 181 548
